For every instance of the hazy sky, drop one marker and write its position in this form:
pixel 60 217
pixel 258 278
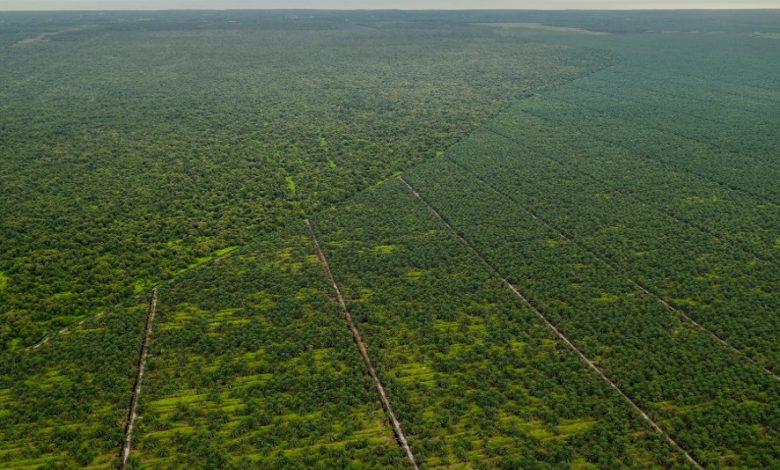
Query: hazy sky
pixel 378 4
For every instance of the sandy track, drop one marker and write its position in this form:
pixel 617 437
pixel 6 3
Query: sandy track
pixel 552 327
pixel 633 282
pixel 131 414
pixel 399 434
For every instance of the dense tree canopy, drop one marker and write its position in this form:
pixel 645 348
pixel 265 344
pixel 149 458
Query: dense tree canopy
pixel 137 146
pixel 618 169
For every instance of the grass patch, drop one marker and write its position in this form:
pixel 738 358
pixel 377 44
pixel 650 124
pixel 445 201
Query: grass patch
pixel 606 297
pixel 580 463
pixel 205 259
pixel 384 249
pixel 574 426
pixel 141 285
pixel 290 184
pixel 415 275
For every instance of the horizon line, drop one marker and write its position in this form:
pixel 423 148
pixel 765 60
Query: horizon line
pixel 119 10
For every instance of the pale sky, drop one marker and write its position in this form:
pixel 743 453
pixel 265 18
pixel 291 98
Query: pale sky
pixel 380 4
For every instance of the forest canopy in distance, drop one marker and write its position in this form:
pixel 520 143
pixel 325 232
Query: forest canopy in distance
pixel 556 235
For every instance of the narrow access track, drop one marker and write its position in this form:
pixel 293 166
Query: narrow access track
pixel 399 434
pixel 111 308
pixel 64 330
pixel 124 453
pixel 552 327
pixel 633 282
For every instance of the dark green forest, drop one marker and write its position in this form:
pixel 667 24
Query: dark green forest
pixel 557 235
pixel 134 150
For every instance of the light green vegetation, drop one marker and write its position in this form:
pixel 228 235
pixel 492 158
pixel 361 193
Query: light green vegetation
pixel 65 402
pixel 206 259
pixel 290 184
pixel 253 365
pixel 474 377
pixel 641 344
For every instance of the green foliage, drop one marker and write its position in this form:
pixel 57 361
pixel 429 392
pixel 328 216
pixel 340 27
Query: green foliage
pixel 253 365
pixel 474 377
pixel 65 402
pixel 660 195
pixel 123 133
pixel 139 148
pixel 686 379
